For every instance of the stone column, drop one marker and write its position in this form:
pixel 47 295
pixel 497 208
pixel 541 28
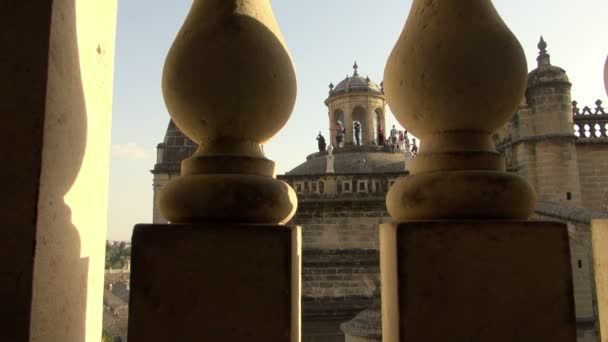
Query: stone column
pixel 462 263
pixel 57 70
pixel 599 239
pixel 226 268
pixel 370 130
pixel 348 124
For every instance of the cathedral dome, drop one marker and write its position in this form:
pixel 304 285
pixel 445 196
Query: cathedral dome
pixel 355 83
pixel 546 73
pixel 353 160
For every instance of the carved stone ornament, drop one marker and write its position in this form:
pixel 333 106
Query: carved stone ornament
pixel 455 76
pixel 230 85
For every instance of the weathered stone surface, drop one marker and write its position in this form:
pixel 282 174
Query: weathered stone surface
pixel 600 255
pixel 228 178
pixel 365 327
pixel 215 283
pixel 56 86
pixel 476 281
pixel 453 92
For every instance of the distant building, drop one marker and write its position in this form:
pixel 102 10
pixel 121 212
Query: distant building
pixel 561 149
pixel 563 153
pixel 116 304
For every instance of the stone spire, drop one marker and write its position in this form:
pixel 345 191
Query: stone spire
pixel 356 69
pixel 544 59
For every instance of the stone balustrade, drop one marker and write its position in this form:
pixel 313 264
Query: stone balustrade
pixel 461 262
pixel 590 124
pixel 226 268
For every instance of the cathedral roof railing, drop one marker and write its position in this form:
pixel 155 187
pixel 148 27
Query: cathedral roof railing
pixel 590 124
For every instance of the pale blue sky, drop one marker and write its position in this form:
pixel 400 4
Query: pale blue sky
pixel 325 37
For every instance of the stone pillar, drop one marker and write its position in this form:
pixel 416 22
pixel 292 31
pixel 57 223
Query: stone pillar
pixel 462 263
pixel 370 130
pixel 57 68
pixel 348 124
pixel 599 239
pixel 226 268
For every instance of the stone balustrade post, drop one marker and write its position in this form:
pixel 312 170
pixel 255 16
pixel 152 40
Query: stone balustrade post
pixel 462 263
pixel 225 268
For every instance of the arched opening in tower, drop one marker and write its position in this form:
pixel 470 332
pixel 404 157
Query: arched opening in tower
pixel 379 129
pixel 337 128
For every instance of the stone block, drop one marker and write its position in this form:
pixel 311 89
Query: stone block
pixel 476 281
pixel 214 282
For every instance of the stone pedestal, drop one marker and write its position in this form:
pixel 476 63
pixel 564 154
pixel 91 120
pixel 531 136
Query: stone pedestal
pixel 476 281
pixel 365 327
pixel 215 282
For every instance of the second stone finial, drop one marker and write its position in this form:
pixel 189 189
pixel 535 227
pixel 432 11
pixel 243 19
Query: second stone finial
pixel 455 76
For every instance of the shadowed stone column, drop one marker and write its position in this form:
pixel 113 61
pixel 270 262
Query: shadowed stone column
pixel 462 263
pixel 599 234
pixel 226 268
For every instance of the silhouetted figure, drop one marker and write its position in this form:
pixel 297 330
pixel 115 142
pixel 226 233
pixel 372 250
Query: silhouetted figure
pixel 358 133
pixel 380 136
pixel 414 147
pixel 321 142
pixel 393 139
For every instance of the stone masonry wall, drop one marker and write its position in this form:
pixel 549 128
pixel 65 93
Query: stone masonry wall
pixel 582 277
pixel 340 264
pixel 593 170
pixel 340 243
pixel 557 176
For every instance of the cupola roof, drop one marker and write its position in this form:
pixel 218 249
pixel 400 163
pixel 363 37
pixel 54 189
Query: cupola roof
pixel 355 83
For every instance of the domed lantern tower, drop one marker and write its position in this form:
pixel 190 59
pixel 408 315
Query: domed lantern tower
pixel 356 99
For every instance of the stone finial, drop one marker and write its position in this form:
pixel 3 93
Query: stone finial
pixel 356 69
pixel 575 109
pixel 457 173
pixel 599 109
pixel 542 45
pixel 544 59
pixel 228 178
